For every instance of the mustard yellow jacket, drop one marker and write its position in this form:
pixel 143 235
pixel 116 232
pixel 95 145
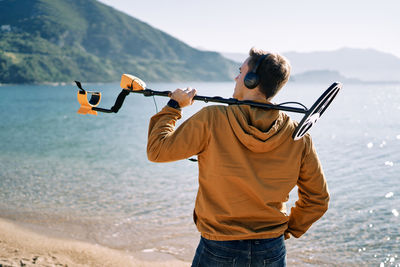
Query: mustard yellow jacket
pixel 248 164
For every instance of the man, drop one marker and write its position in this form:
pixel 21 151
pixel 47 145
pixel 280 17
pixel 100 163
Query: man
pixel 248 164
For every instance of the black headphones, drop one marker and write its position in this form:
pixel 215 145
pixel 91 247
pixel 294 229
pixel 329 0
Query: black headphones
pixel 251 80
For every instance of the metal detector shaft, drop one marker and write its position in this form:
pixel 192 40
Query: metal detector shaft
pixel 132 84
pixel 218 99
pixel 104 110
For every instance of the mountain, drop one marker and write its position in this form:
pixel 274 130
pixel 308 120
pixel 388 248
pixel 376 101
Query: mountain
pixel 367 65
pixel 364 64
pixel 319 76
pixel 237 57
pixel 66 40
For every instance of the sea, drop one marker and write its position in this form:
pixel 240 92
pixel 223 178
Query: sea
pixel 87 177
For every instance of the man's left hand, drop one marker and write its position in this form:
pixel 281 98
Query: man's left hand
pixel 183 96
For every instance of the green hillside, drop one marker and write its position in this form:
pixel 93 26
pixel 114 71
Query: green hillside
pixel 66 40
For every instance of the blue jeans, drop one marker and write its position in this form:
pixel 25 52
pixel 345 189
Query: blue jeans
pixel 255 252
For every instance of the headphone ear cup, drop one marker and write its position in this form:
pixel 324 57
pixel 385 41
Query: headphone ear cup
pixel 251 80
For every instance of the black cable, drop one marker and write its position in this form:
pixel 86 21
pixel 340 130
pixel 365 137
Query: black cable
pixel 155 103
pixel 292 102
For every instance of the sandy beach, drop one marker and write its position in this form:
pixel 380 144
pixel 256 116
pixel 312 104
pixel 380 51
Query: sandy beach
pixel 22 247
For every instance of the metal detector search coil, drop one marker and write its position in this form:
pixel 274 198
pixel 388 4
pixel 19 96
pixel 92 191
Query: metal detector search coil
pixel 316 111
pixel 132 84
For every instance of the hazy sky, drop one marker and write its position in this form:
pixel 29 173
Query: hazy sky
pixel 282 26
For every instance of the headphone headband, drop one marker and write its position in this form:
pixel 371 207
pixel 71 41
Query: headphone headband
pixel 258 63
pixel 252 79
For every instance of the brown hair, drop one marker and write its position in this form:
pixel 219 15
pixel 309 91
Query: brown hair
pixel 273 71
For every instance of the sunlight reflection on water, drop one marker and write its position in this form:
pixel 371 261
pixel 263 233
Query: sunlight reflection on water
pixel 88 177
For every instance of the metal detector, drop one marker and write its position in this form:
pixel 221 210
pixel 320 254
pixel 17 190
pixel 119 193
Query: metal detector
pixel 132 84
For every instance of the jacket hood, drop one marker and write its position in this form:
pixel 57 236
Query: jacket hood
pixel 258 129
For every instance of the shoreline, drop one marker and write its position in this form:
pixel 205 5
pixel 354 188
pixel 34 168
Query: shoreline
pixel 20 246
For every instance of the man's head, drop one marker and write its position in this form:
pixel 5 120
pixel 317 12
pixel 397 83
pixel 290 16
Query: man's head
pixel 273 72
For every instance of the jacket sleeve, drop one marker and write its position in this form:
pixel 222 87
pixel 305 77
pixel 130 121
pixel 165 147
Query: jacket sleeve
pixel 312 191
pixel 166 144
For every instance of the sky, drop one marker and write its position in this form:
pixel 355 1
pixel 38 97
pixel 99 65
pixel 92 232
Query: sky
pixel 280 26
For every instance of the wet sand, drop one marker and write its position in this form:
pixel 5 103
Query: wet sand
pixel 23 247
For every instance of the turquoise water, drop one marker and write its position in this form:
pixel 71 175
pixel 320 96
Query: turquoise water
pixel 88 177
